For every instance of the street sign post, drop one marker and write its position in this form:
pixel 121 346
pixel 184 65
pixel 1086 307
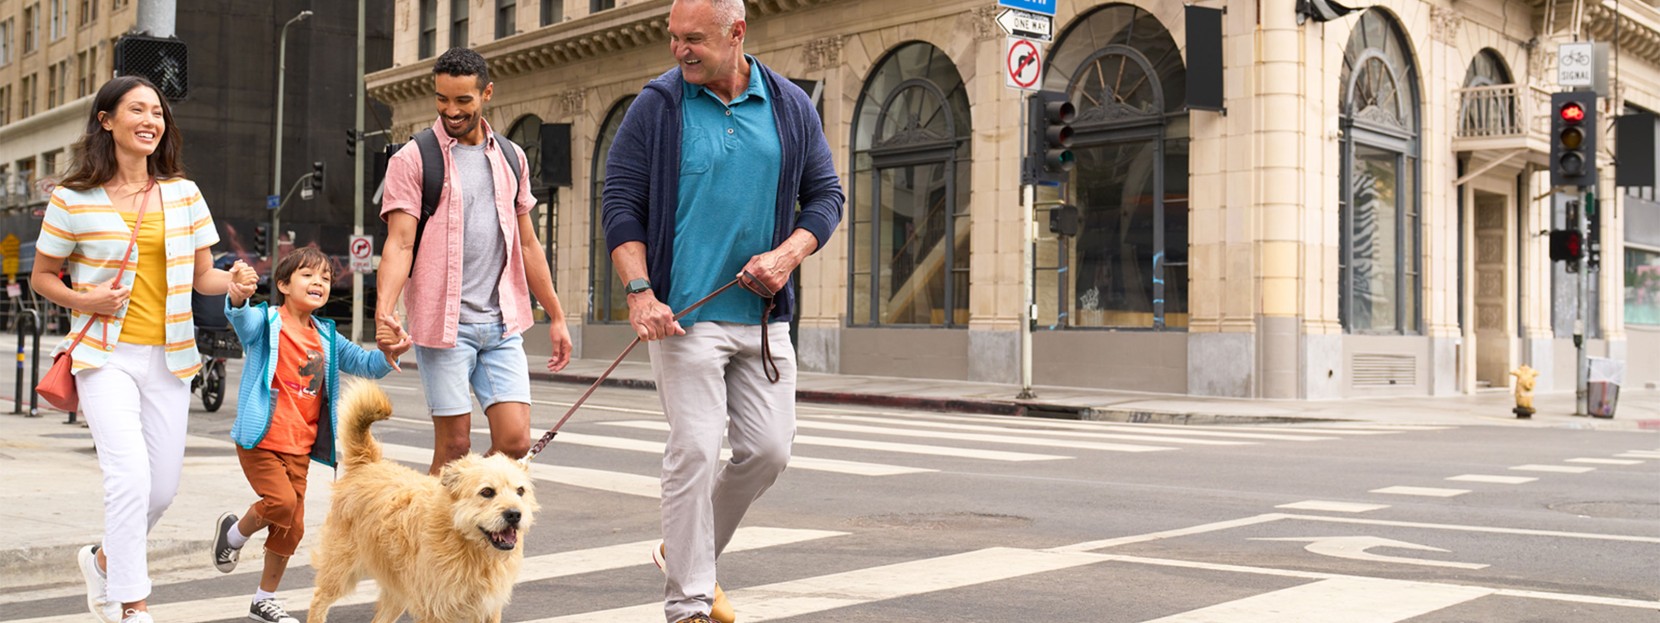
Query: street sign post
pixel 1024 64
pixel 1027 25
pixel 361 248
pixel 272 202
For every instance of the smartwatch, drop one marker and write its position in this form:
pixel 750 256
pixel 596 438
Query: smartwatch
pixel 637 286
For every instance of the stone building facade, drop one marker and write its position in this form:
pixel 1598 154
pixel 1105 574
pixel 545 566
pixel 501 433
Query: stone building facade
pixel 1363 219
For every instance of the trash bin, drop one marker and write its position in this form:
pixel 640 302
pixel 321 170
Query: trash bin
pixel 1603 386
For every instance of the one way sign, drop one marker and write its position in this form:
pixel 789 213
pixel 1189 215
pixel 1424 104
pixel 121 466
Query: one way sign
pixel 1027 25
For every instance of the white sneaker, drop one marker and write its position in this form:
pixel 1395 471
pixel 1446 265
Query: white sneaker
pixel 137 616
pixel 97 593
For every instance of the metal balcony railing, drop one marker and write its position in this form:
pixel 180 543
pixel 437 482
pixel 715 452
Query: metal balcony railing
pixel 1495 111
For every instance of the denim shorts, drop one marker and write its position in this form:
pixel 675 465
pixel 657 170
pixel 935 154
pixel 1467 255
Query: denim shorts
pixel 493 364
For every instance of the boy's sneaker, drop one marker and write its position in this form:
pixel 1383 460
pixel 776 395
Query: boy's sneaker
pixel 270 611
pixel 720 611
pixel 137 616
pixel 224 556
pixel 97 597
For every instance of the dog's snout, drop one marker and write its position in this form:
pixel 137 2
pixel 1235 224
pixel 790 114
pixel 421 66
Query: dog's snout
pixel 512 517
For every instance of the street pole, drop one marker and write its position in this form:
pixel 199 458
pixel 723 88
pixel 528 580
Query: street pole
pixel 276 141
pixel 1582 316
pixel 357 175
pixel 1028 309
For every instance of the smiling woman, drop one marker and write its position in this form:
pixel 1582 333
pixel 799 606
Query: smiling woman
pixel 134 235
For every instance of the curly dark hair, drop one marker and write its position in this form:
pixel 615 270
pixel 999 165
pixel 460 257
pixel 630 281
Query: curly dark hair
pixel 463 62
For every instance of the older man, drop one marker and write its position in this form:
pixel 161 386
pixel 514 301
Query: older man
pixel 702 184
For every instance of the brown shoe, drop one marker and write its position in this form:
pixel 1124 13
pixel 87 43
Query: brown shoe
pixel 719 612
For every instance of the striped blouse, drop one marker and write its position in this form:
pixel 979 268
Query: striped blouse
pixel 85 230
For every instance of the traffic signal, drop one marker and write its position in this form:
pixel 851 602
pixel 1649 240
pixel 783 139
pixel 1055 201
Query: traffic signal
pixel 166 62
pixel 317 175
pixel 1573 147
pixel 1049 143
pixel 351 143
pixel 1566 245
pixel 1063 220
pixel 260 232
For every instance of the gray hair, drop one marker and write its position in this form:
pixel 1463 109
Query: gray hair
pixel 727 12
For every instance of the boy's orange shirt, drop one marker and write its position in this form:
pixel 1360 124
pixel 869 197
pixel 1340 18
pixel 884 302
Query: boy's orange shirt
pixel 301 370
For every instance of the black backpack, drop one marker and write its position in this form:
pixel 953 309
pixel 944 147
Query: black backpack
pixel 432 179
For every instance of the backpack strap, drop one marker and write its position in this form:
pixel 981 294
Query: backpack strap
pixel 432 185
pixel 432 178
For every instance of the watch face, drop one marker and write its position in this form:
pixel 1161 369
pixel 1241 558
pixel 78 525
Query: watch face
pixel 638 285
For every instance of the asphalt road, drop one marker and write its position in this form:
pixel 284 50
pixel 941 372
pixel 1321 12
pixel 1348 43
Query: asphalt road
pixel 908 516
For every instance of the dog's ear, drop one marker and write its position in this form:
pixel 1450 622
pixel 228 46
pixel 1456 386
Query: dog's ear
pixel 448 475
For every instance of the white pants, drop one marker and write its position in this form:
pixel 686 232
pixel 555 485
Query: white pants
pixel 712 386
pixel 137 410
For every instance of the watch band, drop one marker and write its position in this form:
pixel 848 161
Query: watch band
pixel 637 286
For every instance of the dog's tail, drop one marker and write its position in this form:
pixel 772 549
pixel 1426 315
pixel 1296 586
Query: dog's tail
pixel 364 403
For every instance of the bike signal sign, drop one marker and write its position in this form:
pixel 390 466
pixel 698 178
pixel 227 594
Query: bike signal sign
pixel 1575 63
pixel 361 248
pixel 1024 64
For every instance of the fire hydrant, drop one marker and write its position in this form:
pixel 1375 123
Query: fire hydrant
pixel 1525 377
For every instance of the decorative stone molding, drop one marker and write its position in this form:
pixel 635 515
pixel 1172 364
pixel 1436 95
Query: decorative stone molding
pixel 824 52
pixel 981 21
pixel 572 103
pixel 1444 24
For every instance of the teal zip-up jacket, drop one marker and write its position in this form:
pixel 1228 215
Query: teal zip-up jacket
pixel 259 327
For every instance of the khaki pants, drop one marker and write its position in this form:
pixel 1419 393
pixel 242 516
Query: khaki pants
pixel 712 386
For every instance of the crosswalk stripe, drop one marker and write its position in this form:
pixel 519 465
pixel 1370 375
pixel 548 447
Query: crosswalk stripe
pixel 979 438
pixel 1498 480
pixel 1334 507
pixel 1639 454
pixel 1323 431
pixel 839 590
pixel 1433 492
pixel 861 444
pixel 1031 431
pixel 1045 423
pixel 1606 461
pixel 1559 469
pixel 1337 600
pixel 855 468
pixel 614 482
pixel 535 568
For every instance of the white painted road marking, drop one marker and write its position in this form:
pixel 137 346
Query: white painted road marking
pixel 1335 507
pixel 1497 480
pixel 979 438
pixel 1037 424
pixel 855 468
pixel 1338 600
pixel 1149 437
pixel 1606 461
pixel 614 482
pixel 882 446
pixel 1354 548
pixel 1558 469
pixel 535 568
pixel 1639 454
pixel 1431 492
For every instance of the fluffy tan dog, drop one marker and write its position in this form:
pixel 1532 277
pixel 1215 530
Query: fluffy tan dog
pixel 444 549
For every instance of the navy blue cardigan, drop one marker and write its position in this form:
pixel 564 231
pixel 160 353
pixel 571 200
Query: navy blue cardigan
pixel 642 176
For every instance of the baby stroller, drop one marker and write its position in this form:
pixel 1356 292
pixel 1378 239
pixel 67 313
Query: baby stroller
pixel 217 342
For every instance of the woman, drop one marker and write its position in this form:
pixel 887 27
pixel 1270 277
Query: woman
pixel 134 366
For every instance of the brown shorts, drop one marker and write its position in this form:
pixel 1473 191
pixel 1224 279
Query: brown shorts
pixel 279 479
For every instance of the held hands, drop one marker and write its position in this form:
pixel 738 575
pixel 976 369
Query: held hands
pixel 392 340
pixel 105 298
pixel 243 282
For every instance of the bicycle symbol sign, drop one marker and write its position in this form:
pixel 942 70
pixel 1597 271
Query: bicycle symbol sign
pixel 1575 64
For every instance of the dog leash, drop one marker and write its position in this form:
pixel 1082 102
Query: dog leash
pixel 747 281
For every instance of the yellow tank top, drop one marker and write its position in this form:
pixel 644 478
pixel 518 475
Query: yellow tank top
pixel 146 321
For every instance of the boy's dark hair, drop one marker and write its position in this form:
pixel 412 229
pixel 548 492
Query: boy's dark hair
pixel 303 257
pixel 463 62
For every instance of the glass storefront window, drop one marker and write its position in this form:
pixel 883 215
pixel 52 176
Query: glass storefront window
pixel 1642 286
pixel 607 302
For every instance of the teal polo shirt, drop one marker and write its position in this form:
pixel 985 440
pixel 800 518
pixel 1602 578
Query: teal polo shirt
pixel 729 165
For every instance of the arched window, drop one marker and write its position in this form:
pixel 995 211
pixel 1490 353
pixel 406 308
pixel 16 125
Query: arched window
pixel 909 226
pixel 1127 267
pixel 527 133
pixel 1488 103
pixel 607 301
pixel 1379 263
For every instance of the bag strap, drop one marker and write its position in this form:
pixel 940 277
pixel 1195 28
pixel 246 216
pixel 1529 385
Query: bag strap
pixel 143 206
pixel 432 179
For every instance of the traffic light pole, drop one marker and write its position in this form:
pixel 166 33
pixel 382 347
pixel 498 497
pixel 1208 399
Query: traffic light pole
pixel 1028 309
pixel 1582 316
pixel 357 176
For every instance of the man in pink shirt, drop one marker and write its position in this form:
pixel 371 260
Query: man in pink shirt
pixel 477 264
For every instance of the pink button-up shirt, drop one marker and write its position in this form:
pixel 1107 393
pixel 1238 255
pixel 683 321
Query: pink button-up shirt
pixel 433 293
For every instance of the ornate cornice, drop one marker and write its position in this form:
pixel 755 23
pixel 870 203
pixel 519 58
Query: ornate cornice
pixel 609 32
pixel 824 52
pixel 982 21
pixel 1444 24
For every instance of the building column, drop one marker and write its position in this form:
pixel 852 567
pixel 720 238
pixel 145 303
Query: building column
pixel 1279 198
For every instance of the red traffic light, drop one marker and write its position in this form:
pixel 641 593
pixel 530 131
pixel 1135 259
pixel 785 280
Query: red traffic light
pixel 1572 112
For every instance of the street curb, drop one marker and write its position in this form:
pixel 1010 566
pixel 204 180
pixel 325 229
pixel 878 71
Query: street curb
pixel 39 567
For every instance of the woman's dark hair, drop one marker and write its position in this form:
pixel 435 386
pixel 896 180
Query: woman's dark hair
pixel 303 257
pixel 95 161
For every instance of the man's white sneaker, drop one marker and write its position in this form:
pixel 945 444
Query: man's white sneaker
pixel 137 616
pixel 97 595
pixel 269 611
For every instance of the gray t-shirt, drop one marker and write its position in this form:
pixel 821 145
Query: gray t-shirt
pixel 483 249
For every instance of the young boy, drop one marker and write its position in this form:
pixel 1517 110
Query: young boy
pixel 285 410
